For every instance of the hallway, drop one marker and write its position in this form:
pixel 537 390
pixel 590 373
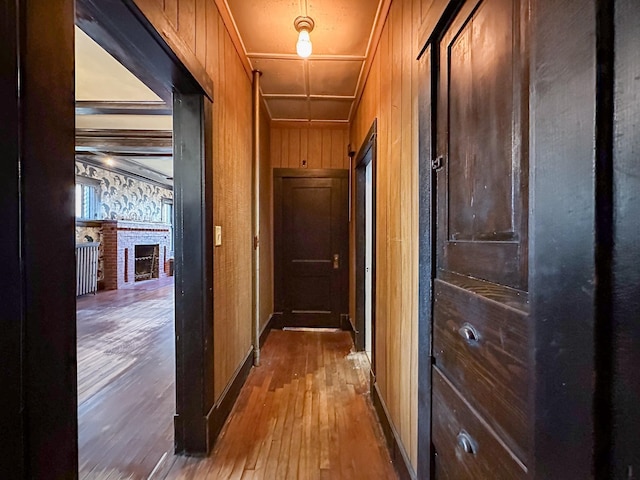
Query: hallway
pixel 305 413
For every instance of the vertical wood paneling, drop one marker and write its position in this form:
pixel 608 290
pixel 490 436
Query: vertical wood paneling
pixel 294 149
pixel 187 22
pixel 321 147
pixel 304 144
pixel 390 95
pixel 266 221
pixel 201 30
pixel 276 148
pixel 171 11
pixel 326 148
pixel 337 152
pixel 315 148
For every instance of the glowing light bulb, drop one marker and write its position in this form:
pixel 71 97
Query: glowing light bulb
pixel 304 47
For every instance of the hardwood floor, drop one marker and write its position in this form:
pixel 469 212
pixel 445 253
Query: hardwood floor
pixel 126 381
pixel 305 413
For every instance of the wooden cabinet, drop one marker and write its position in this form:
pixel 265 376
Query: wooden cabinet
pixel 481 373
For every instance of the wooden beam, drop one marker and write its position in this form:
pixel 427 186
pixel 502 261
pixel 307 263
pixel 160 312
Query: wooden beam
pixel 122 108
pixel 122 142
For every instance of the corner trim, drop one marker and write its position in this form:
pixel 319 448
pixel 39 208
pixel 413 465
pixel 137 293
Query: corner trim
pixel 399 456
pixel 218 415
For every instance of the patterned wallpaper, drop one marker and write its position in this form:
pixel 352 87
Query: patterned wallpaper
pixel 125 198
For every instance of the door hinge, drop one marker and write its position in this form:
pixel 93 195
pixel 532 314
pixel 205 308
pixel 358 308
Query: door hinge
pixel 437 163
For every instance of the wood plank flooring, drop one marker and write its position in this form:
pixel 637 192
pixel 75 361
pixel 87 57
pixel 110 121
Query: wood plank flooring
pixel 126 381
pixel 305 413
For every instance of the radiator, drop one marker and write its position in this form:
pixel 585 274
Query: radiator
pixel 86 267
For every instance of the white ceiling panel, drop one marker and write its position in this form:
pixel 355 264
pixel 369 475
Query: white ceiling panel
pixel 343 27
pixel 330 109
pixel 281 77
pixel 341 43
pixel 288 108
pixel 336 78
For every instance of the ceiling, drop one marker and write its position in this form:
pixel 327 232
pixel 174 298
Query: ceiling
pixel 323 87
pixel 120 123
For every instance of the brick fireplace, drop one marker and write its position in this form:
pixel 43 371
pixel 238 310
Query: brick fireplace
pixel 120 239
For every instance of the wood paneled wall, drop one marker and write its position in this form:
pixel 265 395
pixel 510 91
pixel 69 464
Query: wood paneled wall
pixel 195 30
pixel 321 146
pixel 266 221
pixel 391 96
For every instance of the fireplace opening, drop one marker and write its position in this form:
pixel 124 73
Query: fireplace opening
pixel 147 264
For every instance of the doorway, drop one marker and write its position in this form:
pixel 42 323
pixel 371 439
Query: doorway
pixel 365 218
pixel 311 246
pixel 188 214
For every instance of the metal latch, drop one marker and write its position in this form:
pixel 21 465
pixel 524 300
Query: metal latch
pixel 437 163
pixel 336 261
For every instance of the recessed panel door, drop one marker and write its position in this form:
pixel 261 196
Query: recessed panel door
pixel 480 332
pixel 314 250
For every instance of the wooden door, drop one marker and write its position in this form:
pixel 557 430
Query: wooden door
pixel 480 332
pixel 311 247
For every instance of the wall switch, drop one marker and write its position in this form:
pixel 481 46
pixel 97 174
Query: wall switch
pixel 218 235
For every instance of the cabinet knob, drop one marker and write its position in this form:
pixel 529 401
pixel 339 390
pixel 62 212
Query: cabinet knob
pixel 467 443
pixel 469 333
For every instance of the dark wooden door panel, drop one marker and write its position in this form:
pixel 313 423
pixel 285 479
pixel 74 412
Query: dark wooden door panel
pixel 480 334
pixel 483 185
pixel 312 242
pixel 466 447
pixel 482 348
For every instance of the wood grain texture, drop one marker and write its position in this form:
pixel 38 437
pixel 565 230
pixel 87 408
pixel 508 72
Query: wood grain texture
pixel 493 373
pixel 304 413
pixel 266 221
pixel 200 29
pixel 390 95
pixel 126 380
pixel 320 146
pixel 452 416
pixel 627 231
pixel 563 86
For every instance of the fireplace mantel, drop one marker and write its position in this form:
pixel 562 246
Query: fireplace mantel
pixel 120 238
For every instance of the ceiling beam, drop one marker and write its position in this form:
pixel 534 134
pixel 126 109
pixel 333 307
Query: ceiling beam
pixel 122 108
pixel 124 142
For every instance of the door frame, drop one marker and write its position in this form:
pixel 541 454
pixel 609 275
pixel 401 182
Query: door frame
pixel 116 26
pixel 568 327
pixel 362 160
pixel 279 174
pixel 39 347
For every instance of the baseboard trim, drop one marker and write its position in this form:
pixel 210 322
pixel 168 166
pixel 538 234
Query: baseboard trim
pixel 267 328
pixel 398 453
pixel 221 410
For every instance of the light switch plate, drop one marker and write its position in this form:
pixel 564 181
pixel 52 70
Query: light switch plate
pixel 218 235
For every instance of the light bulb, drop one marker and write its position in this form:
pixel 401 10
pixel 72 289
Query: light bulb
pixel 304 47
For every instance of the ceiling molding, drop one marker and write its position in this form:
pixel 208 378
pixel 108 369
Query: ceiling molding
pixel 236 39
pixel 309 123
pixel 314 58
pixel 97 107
pixel 372 48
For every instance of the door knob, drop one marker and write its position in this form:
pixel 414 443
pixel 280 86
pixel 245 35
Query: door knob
pixel 336 261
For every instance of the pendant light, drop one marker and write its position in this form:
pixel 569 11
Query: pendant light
pixel 304 26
